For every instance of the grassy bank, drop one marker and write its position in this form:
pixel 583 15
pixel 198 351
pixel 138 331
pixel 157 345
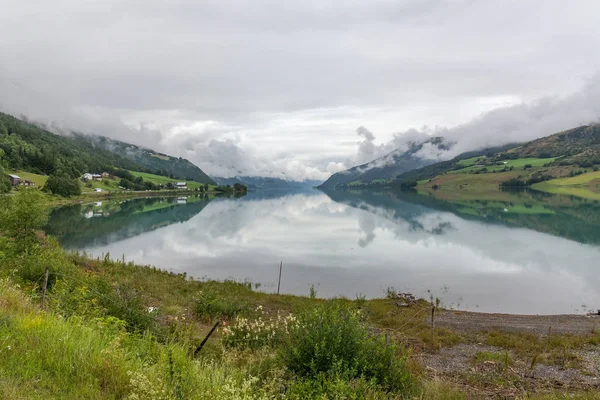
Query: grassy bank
pixel 113 329
pixel 585 185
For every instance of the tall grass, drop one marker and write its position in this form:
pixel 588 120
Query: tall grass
pixel 43 355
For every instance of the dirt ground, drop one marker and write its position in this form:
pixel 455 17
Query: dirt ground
pixel 498 372
pixel 537 324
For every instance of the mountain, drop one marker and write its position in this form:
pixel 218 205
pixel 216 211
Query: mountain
pixel 157 163
pixel 28 146
pixel 390 165
pixel 433 170
pixel 577 145
pixel 265 183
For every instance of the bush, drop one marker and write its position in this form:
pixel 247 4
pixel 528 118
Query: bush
pixel 210 304
pixel 331 339
pixel 5 185
pixel 63 185
pixel 331 386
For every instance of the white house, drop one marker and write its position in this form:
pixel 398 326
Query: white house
pixel 181 185
pixel 87 177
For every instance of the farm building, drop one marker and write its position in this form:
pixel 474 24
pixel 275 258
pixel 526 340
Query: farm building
pixel 181 185
pixel 97 177
pixel 28 183
pixel 87 177
pixel 14 179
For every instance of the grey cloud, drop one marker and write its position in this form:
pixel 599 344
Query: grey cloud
pixel 288 82
pixel 515 124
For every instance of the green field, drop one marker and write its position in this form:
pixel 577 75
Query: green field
pixel 584 185
pixel 162 180
pixel 470 164
pixel 579 180
pixel 39 180
pixel 104 184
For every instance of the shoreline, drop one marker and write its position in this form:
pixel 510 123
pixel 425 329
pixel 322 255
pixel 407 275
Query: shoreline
pixel 89 197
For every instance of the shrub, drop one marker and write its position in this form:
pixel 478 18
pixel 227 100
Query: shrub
pixel 332 386
pixel 332 339
pixel 211 304
pixel 62 185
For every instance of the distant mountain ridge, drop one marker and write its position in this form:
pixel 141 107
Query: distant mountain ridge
pixel 266 183
pixel 390 165
pixel 155 162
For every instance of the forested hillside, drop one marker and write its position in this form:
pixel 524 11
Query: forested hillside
pixel 28 147
pixel 152 161
pixel 31 148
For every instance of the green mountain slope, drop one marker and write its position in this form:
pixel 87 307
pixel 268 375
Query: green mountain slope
pixel 152 161
pixel 456 163
pixel 28 146
pixel 577 145
pixel 388 166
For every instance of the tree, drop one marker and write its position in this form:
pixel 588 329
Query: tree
pixel 238 187
pixel 22 215
pixel 63 185
pixel 206 187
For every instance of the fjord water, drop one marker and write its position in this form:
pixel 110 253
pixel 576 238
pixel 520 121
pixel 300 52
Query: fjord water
pixel 531 254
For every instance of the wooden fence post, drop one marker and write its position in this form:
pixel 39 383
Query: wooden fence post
pixel 44 289
pixel 206 338
pixel 279 282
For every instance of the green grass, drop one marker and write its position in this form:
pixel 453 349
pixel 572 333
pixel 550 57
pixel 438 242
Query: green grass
pixel 590 178
pixel 105 184
pixel 97 339
pixel 516 164
pixel 469 161
pixel 585 185
pixel 46 356
pixel 162 180
pixel 535 209
pixel 39 180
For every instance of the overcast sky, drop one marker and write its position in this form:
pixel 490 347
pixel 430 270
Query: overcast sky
pixel 280 88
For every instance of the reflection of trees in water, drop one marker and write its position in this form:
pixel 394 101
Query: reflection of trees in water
pixel 567 216
pixel 73 230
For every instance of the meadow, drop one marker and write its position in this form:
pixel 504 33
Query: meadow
pixel 471 164
pixel 39 180
pixel 163 180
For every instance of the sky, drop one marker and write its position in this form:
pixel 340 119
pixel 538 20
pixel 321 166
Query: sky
pixel 301 89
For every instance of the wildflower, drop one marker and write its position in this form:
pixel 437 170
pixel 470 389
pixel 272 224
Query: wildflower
pixel 9 347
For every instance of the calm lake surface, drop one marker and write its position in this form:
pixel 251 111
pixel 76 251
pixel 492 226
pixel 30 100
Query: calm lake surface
pixel 527 253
